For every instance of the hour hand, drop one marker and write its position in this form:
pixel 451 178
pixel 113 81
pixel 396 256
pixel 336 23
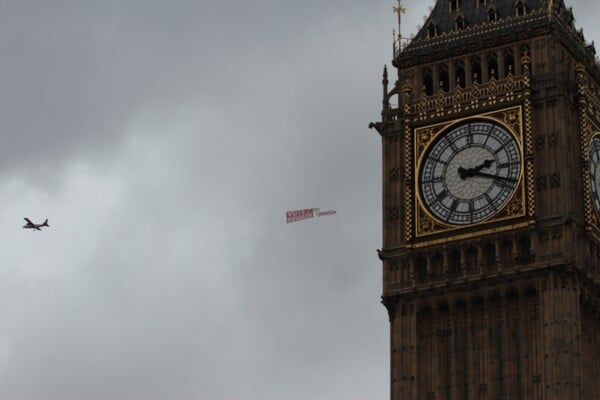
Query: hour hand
pixel 469 172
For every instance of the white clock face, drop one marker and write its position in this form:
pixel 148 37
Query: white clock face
pixel 470 172
pixel 595 171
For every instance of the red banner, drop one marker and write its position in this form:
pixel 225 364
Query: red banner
pixel 299 215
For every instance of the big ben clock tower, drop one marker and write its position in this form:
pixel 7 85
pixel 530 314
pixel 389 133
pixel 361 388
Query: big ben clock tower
pixel 491 205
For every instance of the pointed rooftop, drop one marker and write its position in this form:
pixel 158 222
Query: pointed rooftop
pixel 461 26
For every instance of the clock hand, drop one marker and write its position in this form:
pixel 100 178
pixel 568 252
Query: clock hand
pixel 486 164
pixel 503 178
pixel 469 172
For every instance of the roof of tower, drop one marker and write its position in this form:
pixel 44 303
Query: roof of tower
pixel 476 12
pixel 458 26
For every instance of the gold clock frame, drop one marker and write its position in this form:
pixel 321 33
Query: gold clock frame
pixel 515 209
pixel 592 216
pixel 589 126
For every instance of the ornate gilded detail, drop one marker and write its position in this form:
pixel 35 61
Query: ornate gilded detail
pixel 520 204
pixel 528 132
pixel 408 189
pixel 445 104
pixel 589 122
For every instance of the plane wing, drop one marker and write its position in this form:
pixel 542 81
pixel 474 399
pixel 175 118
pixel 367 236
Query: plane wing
pixel 28 221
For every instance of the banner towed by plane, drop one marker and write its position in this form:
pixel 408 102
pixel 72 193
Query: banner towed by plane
pixel 300 215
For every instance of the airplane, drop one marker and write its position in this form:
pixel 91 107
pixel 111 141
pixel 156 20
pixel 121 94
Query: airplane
pixel 31 225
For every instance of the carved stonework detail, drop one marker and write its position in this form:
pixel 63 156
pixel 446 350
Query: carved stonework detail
pixel 541 182
pixel 554 181
pixel 443 104
pixel 540 143
pixel 395 214
pixel 424 138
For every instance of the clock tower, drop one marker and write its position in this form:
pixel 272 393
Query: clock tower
pixel 490 134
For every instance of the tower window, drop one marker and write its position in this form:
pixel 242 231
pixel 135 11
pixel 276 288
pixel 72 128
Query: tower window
pixel 421 267
pixel 454 263
pixel 460 76
pixel 524 248
pixel 471 259
pixel 476 70
pixel 444 83
pixel 506 252
pixel 459 23
pixel 509 63
pixel 492 67
pixel 437 265
pixel 453 5
pixel 432 30
pixel 492 14
pixel 489 252
pixel 521 8
pixel 428 82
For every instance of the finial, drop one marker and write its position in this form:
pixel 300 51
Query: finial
pixel 399 10
pixel 384 83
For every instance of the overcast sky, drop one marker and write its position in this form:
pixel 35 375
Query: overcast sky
pixel 164 141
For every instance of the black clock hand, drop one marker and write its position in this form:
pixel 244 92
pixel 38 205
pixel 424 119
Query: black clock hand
pixel 486 164
pixel 469 172
pixel 502 178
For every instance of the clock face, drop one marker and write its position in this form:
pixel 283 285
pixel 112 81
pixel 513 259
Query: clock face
pixel 594 157
pixel 469 172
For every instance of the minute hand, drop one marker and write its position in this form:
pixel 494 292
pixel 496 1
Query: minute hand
pixel 502 178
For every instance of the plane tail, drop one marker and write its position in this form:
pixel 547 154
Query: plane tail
pixel 45 223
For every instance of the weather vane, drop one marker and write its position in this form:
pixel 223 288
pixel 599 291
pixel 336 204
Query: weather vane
pixel 399 10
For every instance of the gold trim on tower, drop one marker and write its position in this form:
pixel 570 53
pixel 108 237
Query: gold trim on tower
pixel 426 225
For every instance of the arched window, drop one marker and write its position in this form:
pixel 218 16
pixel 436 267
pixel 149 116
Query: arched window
pixel 460 75
pixel 489 253
pixel 454 263
pixel 471 259
pixel 509 63
pixel 437 265
pixel 492 67
pixel 421 269
pixel 506 252
pixel 492 14
pixel 476 69
pixel 521 8
pixel 427 81
pixel 432 30
pixel 524 248
pixel 453 5
pixel 459 23
pixel 444 83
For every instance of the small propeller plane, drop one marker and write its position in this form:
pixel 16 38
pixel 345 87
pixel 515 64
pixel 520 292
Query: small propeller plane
pixel 31 225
